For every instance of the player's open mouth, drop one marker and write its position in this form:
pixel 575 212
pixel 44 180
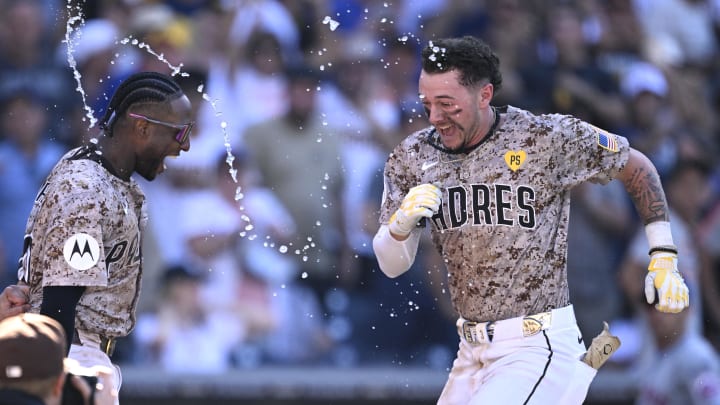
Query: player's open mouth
pixel 162 167
pixel 446 130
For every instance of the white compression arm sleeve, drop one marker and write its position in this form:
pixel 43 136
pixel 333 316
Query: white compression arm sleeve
pixel 395 257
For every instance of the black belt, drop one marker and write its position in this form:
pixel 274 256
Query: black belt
pixel 107 344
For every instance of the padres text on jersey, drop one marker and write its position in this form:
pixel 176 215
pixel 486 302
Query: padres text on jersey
pixel 502 224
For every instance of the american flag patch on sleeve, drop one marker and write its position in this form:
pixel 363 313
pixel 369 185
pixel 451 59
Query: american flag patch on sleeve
pixel 607 140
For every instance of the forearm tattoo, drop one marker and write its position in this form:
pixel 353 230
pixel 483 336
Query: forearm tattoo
pixel 648 196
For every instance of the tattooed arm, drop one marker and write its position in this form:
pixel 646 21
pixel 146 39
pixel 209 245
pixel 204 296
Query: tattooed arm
pixel 642 182
pixel 663 283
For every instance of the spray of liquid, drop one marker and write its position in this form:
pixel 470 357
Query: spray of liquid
pixel 73 33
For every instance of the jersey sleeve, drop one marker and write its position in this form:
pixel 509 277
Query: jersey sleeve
pixel 588 153
pixel 72 252
pixel 395 183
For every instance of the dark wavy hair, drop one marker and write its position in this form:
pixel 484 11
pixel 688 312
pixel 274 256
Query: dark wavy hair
pixel 470 56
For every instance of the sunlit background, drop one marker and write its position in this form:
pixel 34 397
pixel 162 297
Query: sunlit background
pixel 260 284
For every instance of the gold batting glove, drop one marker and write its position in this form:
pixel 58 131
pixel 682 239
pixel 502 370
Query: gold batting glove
pixel 421 201
pixel 663 276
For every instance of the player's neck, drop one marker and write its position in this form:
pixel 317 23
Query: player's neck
pixel 118 156
pixel 492 119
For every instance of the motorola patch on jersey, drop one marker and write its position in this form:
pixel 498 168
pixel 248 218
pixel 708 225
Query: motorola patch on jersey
pixel 81 251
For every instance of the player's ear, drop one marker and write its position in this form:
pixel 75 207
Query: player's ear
pixel 140 129
pixel 486 94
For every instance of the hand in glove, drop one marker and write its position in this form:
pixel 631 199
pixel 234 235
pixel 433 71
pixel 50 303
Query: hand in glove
pixel 663 276
pixel 421 201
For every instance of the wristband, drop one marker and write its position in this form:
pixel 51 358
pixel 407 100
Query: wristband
pixel 664 248
pixel 659 237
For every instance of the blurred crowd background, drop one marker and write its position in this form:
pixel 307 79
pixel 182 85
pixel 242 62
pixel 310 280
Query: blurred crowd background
pixel 258 250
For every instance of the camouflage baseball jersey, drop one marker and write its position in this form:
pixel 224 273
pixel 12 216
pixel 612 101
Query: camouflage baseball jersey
pixel 502 225
pixel 84 230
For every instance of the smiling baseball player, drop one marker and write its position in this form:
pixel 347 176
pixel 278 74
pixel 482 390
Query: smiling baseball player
pixel 494 186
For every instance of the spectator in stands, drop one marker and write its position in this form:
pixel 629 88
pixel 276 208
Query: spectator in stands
pixel 243 242
pixel 569 79
pixel 652 125
pixel 27 154
pixel 685 368
pixel 679 31
pixel 615 31
pixel 27 60
pixel 362 112
pixel 299 158
pixel 186 335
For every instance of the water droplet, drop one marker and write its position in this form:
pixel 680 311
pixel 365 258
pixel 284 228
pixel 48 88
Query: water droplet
pixel 332 23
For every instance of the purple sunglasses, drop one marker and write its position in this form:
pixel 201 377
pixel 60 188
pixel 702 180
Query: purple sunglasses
pixel 184 129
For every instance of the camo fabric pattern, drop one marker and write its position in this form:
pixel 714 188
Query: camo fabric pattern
pixel 85 230
pixel 503 222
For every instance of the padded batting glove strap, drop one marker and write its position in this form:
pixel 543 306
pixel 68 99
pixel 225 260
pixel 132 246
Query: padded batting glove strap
pixel 663 276
pixel 421 201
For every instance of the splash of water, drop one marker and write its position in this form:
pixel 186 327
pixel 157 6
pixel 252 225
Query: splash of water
pixel 73 24
pixel 175 70
pixel 331 23
pixel 73 33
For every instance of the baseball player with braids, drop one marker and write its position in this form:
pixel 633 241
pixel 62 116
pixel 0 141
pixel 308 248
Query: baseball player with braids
pixel 493 183
pixel 82 258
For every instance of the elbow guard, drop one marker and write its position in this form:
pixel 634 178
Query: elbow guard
pixel 395 257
